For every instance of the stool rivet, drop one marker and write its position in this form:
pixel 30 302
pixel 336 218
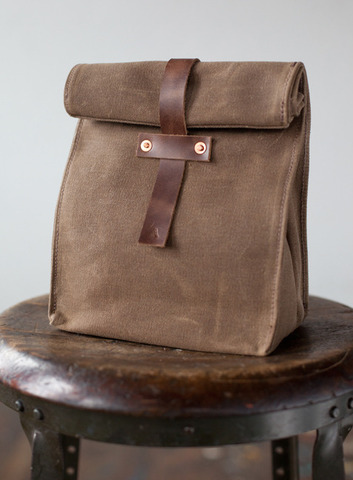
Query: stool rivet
pixel 19 406
pixel 335 412
pixel 280 472
pixel 146 145
pixel 200 148
pixel 350 403
pixel 38 414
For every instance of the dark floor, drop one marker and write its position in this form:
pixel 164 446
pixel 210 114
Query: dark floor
pixel 107 462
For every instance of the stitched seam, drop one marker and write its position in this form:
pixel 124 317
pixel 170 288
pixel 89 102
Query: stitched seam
pixel 285 90
pixel 303 234
pixel 58 213
pixel 278 238
pixel 192 126
pixel 68 85
pixel 303 211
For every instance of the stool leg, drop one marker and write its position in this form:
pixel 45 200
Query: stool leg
pixel 285 459
pixel 54 456
pixel 328 459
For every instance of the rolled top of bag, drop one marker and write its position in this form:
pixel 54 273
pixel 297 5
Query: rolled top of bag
pixel 219 94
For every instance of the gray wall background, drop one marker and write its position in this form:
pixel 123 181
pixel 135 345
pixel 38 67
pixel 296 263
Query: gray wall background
pixel 41 40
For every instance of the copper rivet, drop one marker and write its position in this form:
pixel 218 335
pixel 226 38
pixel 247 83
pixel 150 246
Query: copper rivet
pixel 146 145
pixel 200 148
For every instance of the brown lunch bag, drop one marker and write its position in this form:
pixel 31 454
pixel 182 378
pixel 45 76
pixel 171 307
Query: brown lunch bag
pixel 181 220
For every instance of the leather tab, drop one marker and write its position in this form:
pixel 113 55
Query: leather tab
pixel 172 95
pixel 170 174
pixel 174 147
pixel 161 208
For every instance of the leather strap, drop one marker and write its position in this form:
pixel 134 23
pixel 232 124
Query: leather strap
pixel 174 147
pixel 170 174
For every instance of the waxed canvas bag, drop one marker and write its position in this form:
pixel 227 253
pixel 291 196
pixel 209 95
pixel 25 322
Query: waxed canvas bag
pixel 181 220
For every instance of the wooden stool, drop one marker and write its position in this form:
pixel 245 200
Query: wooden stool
pixel 67 386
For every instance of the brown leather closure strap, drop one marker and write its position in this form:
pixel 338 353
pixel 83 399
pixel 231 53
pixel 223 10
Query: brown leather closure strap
pixel 165 193
pixel 174 147
pixel 172 95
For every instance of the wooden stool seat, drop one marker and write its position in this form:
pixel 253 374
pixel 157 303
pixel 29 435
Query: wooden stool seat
pixel 67 386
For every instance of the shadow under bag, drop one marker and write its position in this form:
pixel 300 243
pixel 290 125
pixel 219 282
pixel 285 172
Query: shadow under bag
pixel 181 220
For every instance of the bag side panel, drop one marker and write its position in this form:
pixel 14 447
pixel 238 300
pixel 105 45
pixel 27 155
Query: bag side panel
pixel 55 267
pixel 293 274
